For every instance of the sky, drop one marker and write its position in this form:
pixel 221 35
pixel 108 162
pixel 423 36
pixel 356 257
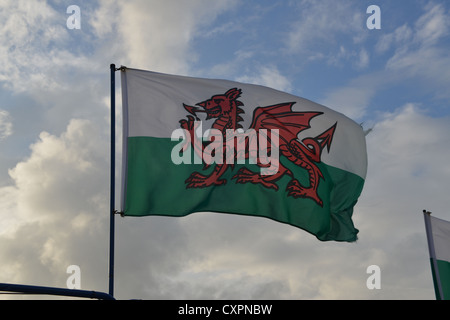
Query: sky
pixel 54 143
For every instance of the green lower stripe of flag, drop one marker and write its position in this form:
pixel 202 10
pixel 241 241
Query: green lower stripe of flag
pixel 444 276
pixel 156 186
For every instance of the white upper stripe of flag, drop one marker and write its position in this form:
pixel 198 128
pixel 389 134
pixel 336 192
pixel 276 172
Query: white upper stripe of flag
pixel 153 106
pixel 441 238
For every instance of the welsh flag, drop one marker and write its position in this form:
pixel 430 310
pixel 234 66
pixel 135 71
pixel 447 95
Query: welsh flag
pixel 203 145
pixel 438 236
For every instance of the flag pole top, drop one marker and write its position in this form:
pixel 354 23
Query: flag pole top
pixel 121 68
pixel 426 212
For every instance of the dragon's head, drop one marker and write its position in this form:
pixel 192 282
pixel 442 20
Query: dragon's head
pixel 221 104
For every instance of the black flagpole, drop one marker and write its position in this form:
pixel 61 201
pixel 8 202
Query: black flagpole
pixel 112 181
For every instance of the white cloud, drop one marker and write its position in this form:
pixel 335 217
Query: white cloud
pixel 51 181
pixel 268 76
pixel 40 53
pixel 419 51
pixel 359 58
pixel 406 177
pixel 156 35
pixel 58 189
pixel 321 24
pixel 409 137
pixel 34 48
pixel 354 98
pixel 104 19
pixel 363 60
pixel 399 37
pixel 433 24
pixel 416 53
pixel 351 101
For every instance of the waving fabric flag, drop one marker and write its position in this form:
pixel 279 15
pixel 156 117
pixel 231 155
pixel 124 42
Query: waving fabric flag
pixel 204 145
pixel 438 236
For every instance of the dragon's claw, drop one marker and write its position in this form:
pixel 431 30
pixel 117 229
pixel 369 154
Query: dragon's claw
pixel 198 180
pixel 296 190
pixel 244 175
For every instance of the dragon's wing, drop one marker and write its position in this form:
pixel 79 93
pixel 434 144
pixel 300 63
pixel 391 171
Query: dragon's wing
pixel 289 123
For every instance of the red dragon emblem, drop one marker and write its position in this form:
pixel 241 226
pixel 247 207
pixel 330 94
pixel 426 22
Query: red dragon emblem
pixel 226 109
